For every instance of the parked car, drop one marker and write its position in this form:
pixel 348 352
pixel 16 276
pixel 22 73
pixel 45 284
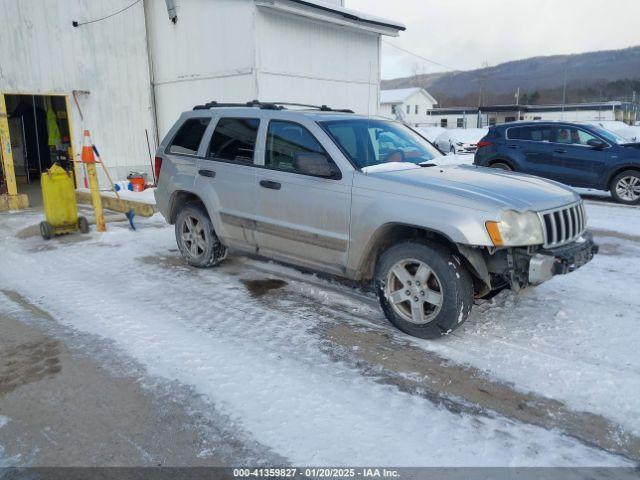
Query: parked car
pixel 460 140
pixel 579 155
pixel 359 198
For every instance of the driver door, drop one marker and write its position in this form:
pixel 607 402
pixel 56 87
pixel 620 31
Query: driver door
pixel 301 218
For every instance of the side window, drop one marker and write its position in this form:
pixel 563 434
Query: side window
pixel 189 136
pixel 577 136
pixel 515 133
pixel 234 139
pixel 540 133
pixel 286 140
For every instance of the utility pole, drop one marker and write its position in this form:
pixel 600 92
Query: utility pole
pixel 564 91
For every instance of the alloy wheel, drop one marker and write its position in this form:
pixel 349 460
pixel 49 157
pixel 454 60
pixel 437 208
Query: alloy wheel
pixel 414 291
pixel 628 188
pixel 193 237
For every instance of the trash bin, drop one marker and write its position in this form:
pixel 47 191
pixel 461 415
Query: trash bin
pixel 60 207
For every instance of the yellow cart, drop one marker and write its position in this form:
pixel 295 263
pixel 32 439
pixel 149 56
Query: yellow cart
pixel 60 207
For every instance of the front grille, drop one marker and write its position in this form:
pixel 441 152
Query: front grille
pixel 563 225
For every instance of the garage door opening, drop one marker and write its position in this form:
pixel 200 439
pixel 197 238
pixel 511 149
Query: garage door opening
pixel 40 135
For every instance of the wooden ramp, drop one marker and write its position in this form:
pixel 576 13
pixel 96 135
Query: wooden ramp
pixel 110 202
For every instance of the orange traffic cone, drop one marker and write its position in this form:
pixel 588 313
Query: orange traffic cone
pixel 89 160
pixel 87 148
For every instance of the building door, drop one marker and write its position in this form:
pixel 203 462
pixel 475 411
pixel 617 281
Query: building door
pixel 40 134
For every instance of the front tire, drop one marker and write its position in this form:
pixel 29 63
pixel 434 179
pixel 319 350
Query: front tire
pixel 424 290
pixel 625 187
pixel 196 238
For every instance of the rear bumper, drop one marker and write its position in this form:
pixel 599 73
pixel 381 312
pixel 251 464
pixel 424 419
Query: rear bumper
pixel 546 263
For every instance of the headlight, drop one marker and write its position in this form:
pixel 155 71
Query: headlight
pixel 515 229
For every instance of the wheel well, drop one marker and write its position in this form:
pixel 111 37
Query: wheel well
pixel 500 160
pixel 392 234
pixel 618 171
pixel 179 200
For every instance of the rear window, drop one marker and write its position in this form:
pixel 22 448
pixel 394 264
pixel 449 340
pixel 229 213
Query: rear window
pixel 542 133
pixel 234 140
pixel 187 140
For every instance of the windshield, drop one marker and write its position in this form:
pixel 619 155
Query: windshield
pixel 610 136
pixel 375 142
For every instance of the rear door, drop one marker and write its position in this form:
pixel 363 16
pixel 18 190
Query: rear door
pixel 580 162
pixel 301 218
pixel 532 146
pixel 227 178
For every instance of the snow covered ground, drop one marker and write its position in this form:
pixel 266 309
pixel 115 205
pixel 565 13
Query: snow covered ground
pixel 263 358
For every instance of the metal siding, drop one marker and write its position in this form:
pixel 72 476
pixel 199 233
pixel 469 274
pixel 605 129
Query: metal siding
pixel 42 53
pixel 306 60
pixel 207 55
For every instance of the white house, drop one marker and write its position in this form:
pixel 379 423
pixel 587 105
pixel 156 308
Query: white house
pixel 412 103
pixel 126 75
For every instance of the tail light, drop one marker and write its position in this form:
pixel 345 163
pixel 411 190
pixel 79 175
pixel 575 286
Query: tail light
pixel 484 143
pixel 156 167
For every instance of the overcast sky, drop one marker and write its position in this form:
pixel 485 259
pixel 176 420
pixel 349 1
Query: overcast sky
pixel 465 33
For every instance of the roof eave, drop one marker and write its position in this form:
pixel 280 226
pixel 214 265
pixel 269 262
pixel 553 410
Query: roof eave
pixel 334 15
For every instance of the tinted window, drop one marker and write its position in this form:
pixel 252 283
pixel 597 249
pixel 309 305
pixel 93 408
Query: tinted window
pixel 285 140
pixel 542 133
pixel 187 140
pixel 373 142
pixel 234 139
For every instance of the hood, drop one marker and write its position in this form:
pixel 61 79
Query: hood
pixel 635 145
pixel 478 188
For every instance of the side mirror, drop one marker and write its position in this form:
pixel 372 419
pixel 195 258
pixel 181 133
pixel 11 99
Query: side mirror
pixel 316 164
pixel 596 143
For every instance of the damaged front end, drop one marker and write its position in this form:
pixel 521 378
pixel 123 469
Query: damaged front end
pixel 524 266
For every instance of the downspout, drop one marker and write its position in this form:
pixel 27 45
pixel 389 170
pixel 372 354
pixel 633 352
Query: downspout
pixel 154 106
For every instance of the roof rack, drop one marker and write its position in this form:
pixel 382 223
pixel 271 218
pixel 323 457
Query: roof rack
pixel 270 106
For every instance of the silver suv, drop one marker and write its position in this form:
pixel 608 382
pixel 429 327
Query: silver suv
pixel 363 198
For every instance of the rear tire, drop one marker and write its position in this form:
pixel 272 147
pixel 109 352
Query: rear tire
pixel 625 187
pixel 424 290
pixel 196 238
pixel 502 166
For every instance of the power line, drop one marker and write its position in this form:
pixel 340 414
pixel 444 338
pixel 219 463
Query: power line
pixel 77 24
pixel 421 57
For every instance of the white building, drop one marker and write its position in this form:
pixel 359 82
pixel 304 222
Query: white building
pixel 413 104
pixel 472 117
pixel 131 74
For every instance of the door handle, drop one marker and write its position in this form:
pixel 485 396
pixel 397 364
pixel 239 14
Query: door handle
pixel 270 184
pixel 560 150
pixel 207 173
pixel 512 146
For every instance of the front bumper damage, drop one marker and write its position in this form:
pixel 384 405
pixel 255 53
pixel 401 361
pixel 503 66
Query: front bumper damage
pixel 560 261
pixel 521 267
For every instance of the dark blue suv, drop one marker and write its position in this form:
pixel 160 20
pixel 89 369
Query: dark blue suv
pixel 579 155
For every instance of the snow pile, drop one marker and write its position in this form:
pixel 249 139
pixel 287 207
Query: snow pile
pixel 431 133
pixel 146 196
